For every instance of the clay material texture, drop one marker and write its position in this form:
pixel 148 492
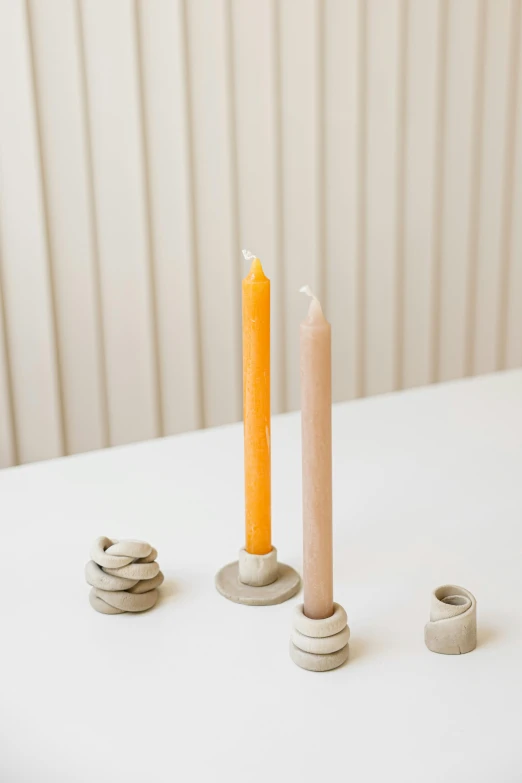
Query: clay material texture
pixel 258 570
pixel 230 580
pixel 320 645
pixel 123 575
pixel 452 629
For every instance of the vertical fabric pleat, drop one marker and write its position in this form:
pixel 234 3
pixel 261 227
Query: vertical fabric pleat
pixel 371 149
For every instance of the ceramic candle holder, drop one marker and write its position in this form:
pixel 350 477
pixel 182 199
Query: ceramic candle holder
pixel 258 580
pixel 452 629
pixel 124 576
pixel 320 645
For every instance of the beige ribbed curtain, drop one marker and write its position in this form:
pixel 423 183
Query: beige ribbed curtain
pixel 371 149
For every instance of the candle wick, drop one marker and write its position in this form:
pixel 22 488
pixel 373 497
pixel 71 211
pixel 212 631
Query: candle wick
pixel 248 256
pixel 308 291
pixel 315 305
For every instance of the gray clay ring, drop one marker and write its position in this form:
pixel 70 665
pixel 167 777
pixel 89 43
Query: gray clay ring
pixel 144 585
pixel 319 628
pixel 128 602
pixel 135 570
pixel 97 577
pixel 110 553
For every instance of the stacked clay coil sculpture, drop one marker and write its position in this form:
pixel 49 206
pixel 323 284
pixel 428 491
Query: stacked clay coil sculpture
pixel 124 576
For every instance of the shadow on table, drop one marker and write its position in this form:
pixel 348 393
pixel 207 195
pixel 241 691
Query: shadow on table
pixel 487 635
pixel 359 648
pixel 168 590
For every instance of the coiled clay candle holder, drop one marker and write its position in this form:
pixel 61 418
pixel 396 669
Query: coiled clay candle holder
pixel 452 629
pixel 123 575
pixel 320 645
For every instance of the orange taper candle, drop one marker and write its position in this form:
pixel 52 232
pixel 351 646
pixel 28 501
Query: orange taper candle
pixel 256 408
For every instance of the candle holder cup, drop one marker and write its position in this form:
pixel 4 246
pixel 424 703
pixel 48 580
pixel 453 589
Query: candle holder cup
pixel 320 645
pixel 452 629
pixel 258 580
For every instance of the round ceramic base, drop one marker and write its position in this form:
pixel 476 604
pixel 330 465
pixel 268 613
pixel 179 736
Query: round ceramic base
pixel 287 584
pixel 319 663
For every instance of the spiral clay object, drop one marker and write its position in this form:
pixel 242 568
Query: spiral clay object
pixel 124 576
pixel 452 629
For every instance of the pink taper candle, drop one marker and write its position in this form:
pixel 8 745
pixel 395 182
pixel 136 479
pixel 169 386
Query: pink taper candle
pixel 316 425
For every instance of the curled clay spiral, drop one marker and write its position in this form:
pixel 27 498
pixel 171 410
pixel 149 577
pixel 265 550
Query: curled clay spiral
pixel 452 629
pixel 123 575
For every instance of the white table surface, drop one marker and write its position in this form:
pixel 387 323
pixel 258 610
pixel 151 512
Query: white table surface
pixel 427 490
